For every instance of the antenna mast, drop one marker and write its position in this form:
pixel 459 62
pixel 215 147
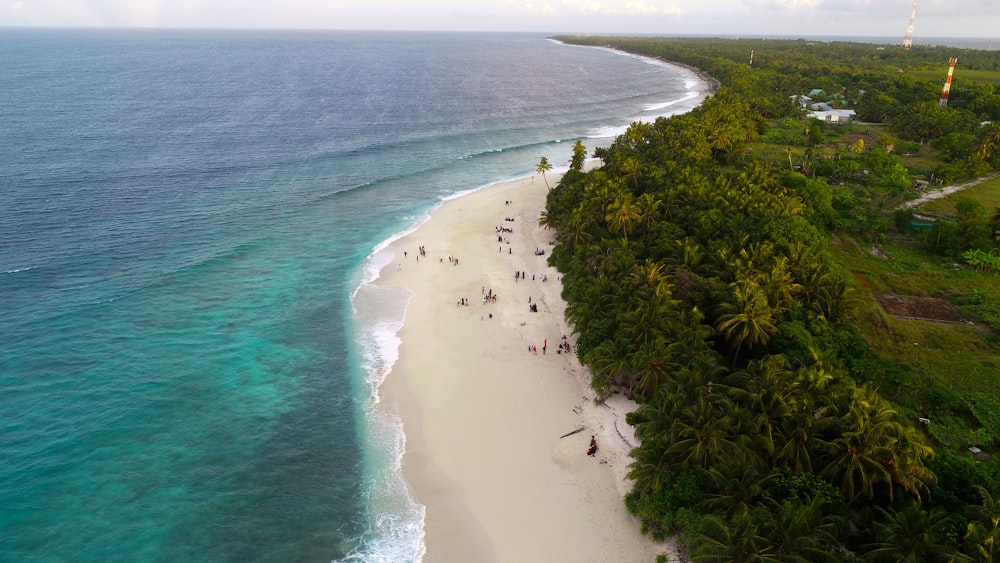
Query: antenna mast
pixel 908 38
pixel 947 84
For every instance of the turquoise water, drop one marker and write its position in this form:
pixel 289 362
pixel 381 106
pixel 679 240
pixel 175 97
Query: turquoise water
pixel 184 219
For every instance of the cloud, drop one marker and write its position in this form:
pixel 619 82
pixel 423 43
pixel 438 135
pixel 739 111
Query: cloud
pixel 785 5
pixel 596 7
pixel 542 10
pixel 640 7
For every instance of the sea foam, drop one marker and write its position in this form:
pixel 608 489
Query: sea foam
pixel 395 519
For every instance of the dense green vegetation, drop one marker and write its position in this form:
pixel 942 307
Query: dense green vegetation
pixel 722 268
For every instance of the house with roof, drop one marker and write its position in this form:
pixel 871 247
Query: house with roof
pixel 802 101
pixel 833 115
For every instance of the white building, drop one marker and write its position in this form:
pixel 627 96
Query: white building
pixel 833 115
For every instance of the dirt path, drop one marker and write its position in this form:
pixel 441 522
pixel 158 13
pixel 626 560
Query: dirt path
pixel 947 190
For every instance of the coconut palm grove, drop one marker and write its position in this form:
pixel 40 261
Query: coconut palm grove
pixel 729 269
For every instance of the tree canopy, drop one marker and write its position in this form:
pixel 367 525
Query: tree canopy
pixel 699 279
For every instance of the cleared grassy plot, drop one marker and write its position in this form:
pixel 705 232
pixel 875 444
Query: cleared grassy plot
pixel 988 193
pixel 948 372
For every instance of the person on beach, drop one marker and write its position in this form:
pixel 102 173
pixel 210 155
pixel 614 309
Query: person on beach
pixel 592 450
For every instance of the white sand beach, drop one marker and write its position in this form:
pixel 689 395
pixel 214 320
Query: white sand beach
pixel 483 415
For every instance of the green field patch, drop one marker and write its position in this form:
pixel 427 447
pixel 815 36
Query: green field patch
pixel 988 193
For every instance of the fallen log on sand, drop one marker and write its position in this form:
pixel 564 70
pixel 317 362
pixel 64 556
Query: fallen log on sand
pixel 580 429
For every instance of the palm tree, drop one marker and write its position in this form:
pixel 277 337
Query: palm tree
pixel 983 533
pixel 654 420
pixel 750 321
pixel 733 540
pixel 650 276
pixel 611 366
pixel 876 446
pixel 647 207
pixel 577 229
pixel 692 252
pixel 650 368
pixel 631 166
pixel 800 439
pixel 736 482
pixel 767 391
pixel 778 286
pixel 912 534
pixel 703 434
pixel 991 144
pixel 649 471
pixel 856 464
pixel 543 167
pixel 579 156
pixel 622 213
pixel 800 532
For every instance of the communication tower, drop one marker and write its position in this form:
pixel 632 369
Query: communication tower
pixel 908 38
pixel 947 83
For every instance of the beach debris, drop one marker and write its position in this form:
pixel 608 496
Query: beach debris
pixel 580 429
pixel 624 439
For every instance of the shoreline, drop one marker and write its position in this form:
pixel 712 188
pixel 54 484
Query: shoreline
pixel 482 414
pixel 494 445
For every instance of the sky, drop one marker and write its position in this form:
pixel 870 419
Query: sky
pixel 799 18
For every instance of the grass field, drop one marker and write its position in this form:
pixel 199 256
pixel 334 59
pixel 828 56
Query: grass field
pixel 988 193
pixel 949 372
pixel 946 371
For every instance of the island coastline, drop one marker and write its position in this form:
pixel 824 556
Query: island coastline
pixel 487 394
pixel 498 416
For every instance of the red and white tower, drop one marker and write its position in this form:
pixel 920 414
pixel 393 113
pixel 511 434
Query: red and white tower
pixel 947 83
pixel 908 38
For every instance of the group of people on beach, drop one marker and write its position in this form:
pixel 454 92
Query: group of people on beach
pixel 520 275
pixel 534 349
pixel 545 347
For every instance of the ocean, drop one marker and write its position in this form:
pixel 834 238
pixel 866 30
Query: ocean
pixel 188 221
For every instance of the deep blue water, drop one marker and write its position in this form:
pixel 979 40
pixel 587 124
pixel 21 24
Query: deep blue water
pixel 184 218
